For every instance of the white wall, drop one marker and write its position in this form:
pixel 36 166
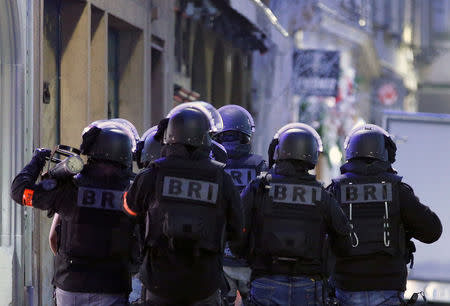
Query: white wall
pixel 16 134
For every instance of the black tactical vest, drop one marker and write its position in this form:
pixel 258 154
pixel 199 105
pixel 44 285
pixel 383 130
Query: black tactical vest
pixel 188 213
pixel 372 206
pixel 288 226
pixel 244 170
pixel 95 240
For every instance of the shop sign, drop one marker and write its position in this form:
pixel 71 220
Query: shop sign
pixel 316 72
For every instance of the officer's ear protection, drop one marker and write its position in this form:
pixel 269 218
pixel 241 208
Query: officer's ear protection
pixel 162 127
pixel 89 139
pixel 391 148
pixel 271 152
pixel 138 153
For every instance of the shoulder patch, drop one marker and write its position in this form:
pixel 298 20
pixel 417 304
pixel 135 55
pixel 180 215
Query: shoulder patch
pixel 27 197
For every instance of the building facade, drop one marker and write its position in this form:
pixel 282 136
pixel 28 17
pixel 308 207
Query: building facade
pixel 433 54
pixel 214 43
pixel 66 63
pixel 377 46
pixel 16 123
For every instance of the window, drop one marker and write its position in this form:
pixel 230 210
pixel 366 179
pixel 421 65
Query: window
pixel 157 84
pixel 182 42
pixel 113 73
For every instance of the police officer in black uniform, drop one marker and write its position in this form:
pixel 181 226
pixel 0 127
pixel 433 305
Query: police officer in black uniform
pixel 218 152
pixel 148 149
pixel 92 261
pixel 243 166
pixel 191 205
pixel 289 215
pixel 236 137
pixel 385 214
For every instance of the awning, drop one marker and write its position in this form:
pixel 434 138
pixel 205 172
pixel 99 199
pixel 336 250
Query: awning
pixel 256 12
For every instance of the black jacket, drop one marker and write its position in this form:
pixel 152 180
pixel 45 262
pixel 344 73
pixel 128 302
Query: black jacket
pixel 173 275
pixel 252 162
pixel 335 222
pixel 76 268
pixel 384 272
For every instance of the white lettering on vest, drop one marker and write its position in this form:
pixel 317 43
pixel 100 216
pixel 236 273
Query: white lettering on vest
pixel 182 188
pixel 99 198
pixel 295 194
pixel 242 177
pixel 366 193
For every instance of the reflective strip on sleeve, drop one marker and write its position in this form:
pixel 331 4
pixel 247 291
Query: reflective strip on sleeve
pixel 27 198
pixel 125 206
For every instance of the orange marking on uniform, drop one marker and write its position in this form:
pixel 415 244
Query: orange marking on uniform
pixel 125 205
pixel 244 230
pixel 27 198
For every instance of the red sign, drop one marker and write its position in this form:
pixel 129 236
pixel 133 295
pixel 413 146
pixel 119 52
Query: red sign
pixel 387 94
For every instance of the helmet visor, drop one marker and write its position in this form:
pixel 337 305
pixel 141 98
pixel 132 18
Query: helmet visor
pixel 371 127
pixel 127 124
pixel 150 131
pixel 114 124
pixel 214 118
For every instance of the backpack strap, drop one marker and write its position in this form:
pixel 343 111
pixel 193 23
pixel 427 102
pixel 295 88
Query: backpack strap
pixel 264 179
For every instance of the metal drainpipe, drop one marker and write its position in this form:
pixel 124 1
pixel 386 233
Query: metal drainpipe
pixel 58 74
pixel 27 145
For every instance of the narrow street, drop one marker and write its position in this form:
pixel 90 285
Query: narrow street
pixel 69 65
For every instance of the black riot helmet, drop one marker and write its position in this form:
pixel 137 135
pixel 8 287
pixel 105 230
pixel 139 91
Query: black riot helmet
pixel 151 149
pixel 370 141
pixel 238 128
pixel 189 126
pixel 237 118
pixel 120 123
pixel 108 143
pixel 298 141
